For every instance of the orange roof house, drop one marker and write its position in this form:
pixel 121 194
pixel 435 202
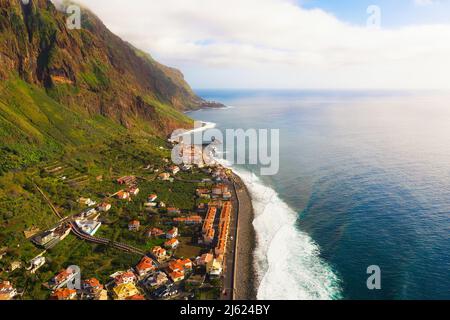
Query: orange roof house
pixel 173 233
pixel 159 252
pixel 186 263
pixel 172 243
pixel 125 277
pixel 145 266
pixel 204 259
pixel 63 294
pixel 134 225
pixel 175 266
pixel 104 207
pixel 176 276
pixel 154 232
pixel 123 195
pixel 92 285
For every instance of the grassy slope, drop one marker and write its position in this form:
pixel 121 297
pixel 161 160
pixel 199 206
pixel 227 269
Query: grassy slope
pixel 37 133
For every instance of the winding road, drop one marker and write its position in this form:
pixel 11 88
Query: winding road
pixel 81 235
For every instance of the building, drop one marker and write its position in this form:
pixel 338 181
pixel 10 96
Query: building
pixel 227 195
pixel 224 229
pixel 204 259
pixel 89 227
pixel 128 180
pixel 186 263
pixel 104 207
pixel 15 265
pixel 172 233
pixel 191 220
pixel 152 197
pixel 214 268
pixel 48 239
pixel 87 202
pixel 219 189
pixel 164 176
pixel 92 287
pixel 154 232
pixel 171 244
pixel 150 204
pixel 124 291
pixel 134 191
pixel 7 291
pixel 122 195
pixel 161 205
pixel 156 280
pixel 208 223
pixel 208 237
pixel 176 276
pixel 174 169
pixel 175 266
pixel 199 192
pixel 62 278
pixel 159 253
pixel 145 266
pixel 134 225
pixel 64 294
pixel 36 264
pixel 123 277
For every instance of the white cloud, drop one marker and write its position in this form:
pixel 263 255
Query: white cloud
pixel 276 43
pixel 424 2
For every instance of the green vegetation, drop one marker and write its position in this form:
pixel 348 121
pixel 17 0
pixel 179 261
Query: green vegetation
pixel 71 122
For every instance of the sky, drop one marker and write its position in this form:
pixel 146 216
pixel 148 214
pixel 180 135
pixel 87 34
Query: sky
pixel 291 44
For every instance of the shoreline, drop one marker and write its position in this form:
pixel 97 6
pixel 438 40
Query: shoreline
pixel 245 274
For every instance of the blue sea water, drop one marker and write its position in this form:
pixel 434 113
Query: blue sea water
pixel 364 180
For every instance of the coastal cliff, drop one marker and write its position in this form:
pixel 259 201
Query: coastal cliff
pixel 64 88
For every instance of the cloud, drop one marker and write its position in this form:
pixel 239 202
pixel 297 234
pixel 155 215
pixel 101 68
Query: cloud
pixel 277 43
pixel 424 2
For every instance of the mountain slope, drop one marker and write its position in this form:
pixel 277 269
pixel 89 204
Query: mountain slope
pixel 62 88
pixel 91 69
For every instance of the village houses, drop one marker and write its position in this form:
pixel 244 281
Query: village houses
pixel 172 233
pixel 154 233
pixel 159 253
pixel 64 294
pixel 134 225
pixel 104 207
pixel 171 244
pixel 7 291
pixel 145 266
pixel 62 278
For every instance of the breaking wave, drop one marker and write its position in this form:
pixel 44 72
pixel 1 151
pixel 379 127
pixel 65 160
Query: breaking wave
pixel 287 260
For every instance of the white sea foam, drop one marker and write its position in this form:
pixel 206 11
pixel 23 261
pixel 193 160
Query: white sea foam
pixel 287 260
pixel 205 126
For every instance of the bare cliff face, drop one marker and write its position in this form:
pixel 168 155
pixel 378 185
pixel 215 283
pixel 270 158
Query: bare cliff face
pixel 90 70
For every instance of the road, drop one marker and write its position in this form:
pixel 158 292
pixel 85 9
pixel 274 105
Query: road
pixel 79 234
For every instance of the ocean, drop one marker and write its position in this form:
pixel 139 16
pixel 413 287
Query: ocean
pixel 364 180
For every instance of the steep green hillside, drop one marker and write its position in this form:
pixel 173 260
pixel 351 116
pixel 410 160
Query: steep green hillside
pixel 90 70
pixel 35 128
